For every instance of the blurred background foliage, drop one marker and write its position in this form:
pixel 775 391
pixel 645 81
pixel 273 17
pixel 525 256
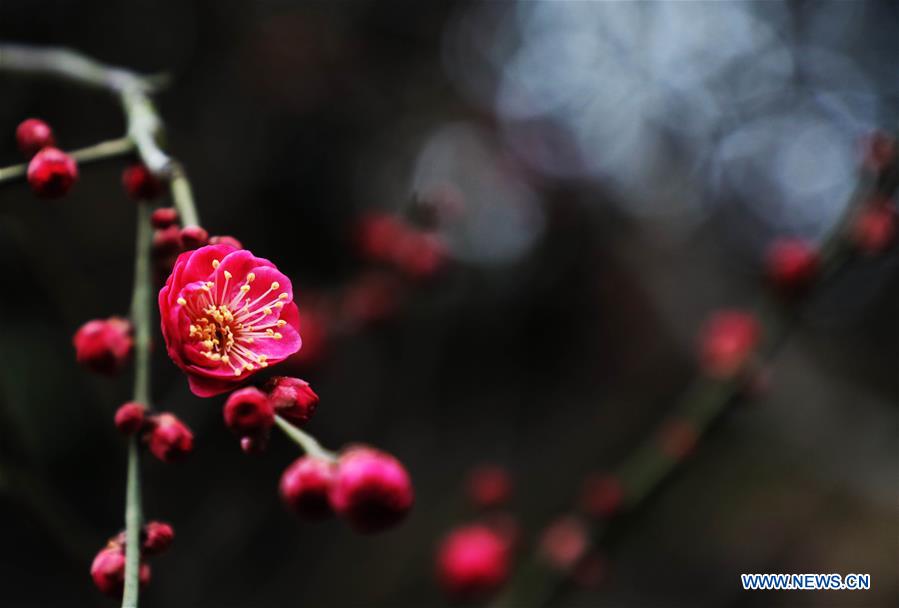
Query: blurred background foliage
pixel 621 167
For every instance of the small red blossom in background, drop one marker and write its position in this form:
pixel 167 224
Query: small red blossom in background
pixel 879 151
pixel 472 562
pixel 677 439
pixel 292 398
pixel 168 439
pixel 564 543
pixel 226 314
pixel 52 173
pixel 140 184
pixel 130 417
pixel 874 229
pixel 602 495
pixel 791 264
pixel 33 135
pixel 371 490
pixel 104 345
pixel 489 486
pixel 305 486
pixel 727 342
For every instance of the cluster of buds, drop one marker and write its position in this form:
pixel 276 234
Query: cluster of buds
pixel 164 434
pixel 250 412
pixel 51 172
pixel 368 488
pixel 108 567
pixel 387 238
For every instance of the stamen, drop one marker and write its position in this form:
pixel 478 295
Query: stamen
pixel 215 263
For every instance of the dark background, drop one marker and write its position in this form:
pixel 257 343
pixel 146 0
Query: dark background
pixel 294 118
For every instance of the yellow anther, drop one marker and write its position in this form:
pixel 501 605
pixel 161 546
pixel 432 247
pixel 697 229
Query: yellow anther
pixel 248 340
pixel 225 358
pixel 215 263
pixel 245 288
pixel 248 366
pixel 251 276
pixel 263 364
pixel 281 323
pixel 210 284
pixel 266 311
pixel 270 332
pixel 238 371
pixel 279 304
pixel 182 301
pixel 275 285
pixel 278 336
pixel 228 275
pixel 283 296
pixel 263 358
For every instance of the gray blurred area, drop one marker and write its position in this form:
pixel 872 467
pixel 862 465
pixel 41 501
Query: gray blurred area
pixel 620 166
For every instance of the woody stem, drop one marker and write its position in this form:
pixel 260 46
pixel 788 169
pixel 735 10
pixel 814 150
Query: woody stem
pixel 141 317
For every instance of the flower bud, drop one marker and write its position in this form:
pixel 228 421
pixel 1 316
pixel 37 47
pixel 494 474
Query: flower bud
pixel 791 264
pixel 602 495
pixel 879 151
pixel 167 242
pixel 169 439
pixel 248 412
pixel 225 240
pixel 305 486
pixel 52 173
pixel 292 399
pixel 140 184
pixel 372 490
pixel 874 229
pixel 157 538
pixel 104 345
pixel 194 237
pixel 472 562
pixel 564 543
pixel 489 486
pixel 677 439
pixel 108 571
pixel 727 342
pixel 33 135
pixel 129 418
pixel 164 217
pixel 419 255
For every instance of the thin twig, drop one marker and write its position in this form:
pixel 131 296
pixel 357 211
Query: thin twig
pixel 145 127
pixel 306 441
pixel 113 148
pixel 141 318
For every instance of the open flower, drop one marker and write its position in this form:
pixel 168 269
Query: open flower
pixel 226 314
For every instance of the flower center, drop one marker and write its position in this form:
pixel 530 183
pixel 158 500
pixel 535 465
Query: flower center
pixel 227 328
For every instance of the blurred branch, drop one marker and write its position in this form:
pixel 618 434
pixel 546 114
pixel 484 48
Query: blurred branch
pixel 145 127
pixel 536 583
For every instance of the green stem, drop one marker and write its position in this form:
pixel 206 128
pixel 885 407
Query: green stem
pixel 306 441
pixel 141 317
pixel 183 197
pixel 113 148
